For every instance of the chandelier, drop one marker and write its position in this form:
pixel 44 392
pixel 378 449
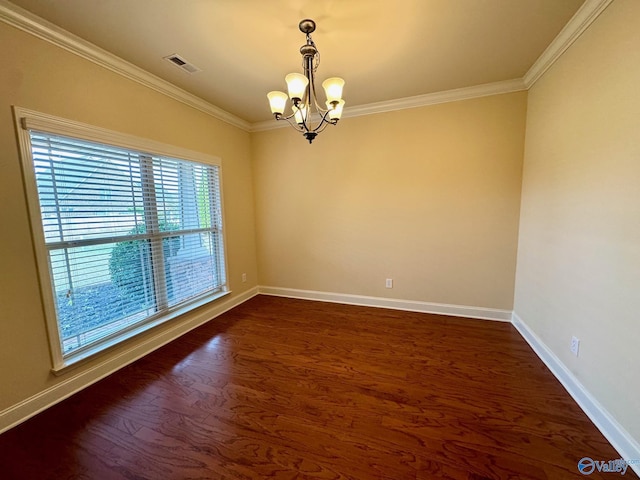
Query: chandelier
pixel 302 92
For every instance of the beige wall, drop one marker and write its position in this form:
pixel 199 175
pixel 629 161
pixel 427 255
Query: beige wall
pixel 42 77
pixel 427 196
pixel 579 252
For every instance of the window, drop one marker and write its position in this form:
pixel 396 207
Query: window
pixel 128 236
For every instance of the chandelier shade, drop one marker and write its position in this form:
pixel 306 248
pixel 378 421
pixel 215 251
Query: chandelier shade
pixel 277 101
pixel 333 89
pixel 335 110
pixel 296 85
pixel 307 116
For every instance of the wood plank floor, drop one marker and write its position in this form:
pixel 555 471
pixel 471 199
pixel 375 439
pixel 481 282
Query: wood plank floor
pixel 293 389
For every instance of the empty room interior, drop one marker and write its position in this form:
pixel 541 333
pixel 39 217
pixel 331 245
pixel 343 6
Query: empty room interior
pixel 442 283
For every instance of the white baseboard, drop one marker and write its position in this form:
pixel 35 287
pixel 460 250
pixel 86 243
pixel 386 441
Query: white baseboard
pixel 26 409
pixel 620 439
pixel 392 303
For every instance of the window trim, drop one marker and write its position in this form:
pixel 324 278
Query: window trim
pixel 26 120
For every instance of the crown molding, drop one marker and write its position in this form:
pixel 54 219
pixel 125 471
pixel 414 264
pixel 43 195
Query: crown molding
pixel 585 16
pixel 466 93
pixel 455 95
pixel 30 23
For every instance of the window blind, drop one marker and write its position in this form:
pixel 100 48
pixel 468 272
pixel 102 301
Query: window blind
pixel 129 235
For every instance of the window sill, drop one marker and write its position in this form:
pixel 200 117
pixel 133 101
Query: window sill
pixel 74 360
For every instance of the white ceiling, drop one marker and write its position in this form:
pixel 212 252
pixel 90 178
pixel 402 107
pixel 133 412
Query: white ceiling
pixel 384 49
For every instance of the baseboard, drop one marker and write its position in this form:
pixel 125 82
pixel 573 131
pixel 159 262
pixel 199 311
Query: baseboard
pixel 620 439
pixel 392 303
pixel 26 409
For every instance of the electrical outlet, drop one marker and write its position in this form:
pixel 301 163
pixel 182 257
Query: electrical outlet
pixel 575 345
pixel 244 277
pixel 389 283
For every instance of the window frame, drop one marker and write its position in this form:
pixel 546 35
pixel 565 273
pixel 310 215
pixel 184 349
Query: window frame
pixel 27 120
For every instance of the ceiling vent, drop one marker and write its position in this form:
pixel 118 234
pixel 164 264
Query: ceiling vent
pixel 181 63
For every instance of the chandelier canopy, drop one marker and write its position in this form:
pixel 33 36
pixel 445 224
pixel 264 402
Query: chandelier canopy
pixel 302 93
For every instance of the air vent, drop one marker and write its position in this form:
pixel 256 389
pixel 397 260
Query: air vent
pixel 181 63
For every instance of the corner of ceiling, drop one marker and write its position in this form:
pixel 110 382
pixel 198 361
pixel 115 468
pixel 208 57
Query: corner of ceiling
pixel 585 16
pixel 26 21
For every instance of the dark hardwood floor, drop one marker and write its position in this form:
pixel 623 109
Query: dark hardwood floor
pixel 292 389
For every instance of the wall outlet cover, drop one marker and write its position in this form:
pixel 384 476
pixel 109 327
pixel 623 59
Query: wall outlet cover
pixel 575 345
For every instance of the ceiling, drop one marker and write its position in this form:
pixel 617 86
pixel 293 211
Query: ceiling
pixel 384 49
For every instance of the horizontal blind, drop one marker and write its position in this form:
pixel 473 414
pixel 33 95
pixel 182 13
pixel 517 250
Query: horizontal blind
pixel 86 190
pixel 129 235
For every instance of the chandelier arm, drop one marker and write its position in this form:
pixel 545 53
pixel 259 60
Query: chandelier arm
pixel 312 94
pixel 308 71
pixel 319 109
pixel 312 84
pixel 320 128
pixel 303 126
pixel 323 122
pixel 281 117
pixel 293 124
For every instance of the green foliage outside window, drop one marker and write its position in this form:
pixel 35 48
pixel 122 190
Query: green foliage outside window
pixel 130 267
